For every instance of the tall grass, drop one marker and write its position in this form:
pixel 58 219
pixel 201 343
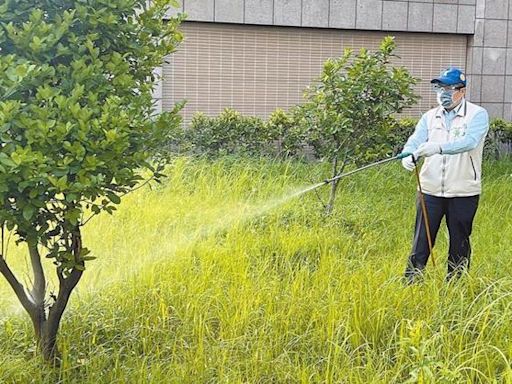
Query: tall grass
pixel 217 277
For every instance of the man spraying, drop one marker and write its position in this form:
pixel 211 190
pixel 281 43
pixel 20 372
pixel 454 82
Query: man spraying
pixel 451 139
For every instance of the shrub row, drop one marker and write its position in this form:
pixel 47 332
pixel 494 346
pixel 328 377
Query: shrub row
pixel 498 142
pixel 232 133
pixel 284 135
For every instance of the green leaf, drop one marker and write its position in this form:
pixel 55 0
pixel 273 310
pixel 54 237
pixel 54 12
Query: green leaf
pixel 73 215
pixel 113 198
pixel 7 161
pixel 28 212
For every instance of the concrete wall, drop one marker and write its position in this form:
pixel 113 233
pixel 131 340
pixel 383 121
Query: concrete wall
pixel 487 23
pixel 439 16
pixel 490 57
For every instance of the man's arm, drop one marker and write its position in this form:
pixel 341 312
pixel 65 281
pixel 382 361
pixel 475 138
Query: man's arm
pixel 475 132
pixel 419 136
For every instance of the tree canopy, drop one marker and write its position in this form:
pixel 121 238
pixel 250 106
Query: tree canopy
pixel 77 127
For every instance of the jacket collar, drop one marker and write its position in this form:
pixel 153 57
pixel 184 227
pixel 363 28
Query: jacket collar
pixel 461 108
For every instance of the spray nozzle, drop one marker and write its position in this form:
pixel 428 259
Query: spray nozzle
pixel 404 154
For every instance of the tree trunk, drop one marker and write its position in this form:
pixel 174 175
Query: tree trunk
pixel 334 185
pixel 46 338
pixel 48 344
pixel 46 323
pixel 332 197
pixel 48 341
pixel 47 328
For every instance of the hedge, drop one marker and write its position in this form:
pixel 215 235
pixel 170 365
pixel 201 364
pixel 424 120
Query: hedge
pixel 284 135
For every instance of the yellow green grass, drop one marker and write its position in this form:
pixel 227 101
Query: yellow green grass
pixel 215 277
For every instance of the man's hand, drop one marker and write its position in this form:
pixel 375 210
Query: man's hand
pixel 427 149
pixel 408 163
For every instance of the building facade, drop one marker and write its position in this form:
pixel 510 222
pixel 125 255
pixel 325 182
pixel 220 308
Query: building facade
pixel 259 55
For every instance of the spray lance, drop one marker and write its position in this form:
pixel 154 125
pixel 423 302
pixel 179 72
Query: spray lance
pixel 397 157
pixel 421 196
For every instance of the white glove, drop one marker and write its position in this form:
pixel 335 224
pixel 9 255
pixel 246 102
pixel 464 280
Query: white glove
pixel 408 164
pixel 427 149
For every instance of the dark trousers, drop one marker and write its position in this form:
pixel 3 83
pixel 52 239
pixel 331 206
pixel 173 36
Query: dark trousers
pixel 459 212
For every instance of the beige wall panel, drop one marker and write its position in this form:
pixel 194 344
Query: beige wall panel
pixel 256 69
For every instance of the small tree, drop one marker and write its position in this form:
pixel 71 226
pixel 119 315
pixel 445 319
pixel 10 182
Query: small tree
pixel 351 106
pixel 77 123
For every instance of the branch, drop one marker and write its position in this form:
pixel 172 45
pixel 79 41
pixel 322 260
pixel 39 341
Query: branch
pixel 123 194
pixel 317 194
pixel 345 162
pixel 342 143
pixel 67 284
pixel 5 246
pixel 17 287
pixel 335 166
pixel 76 244
pixel 39 289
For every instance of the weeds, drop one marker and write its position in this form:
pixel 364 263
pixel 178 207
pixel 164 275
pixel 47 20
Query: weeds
pixel 190 287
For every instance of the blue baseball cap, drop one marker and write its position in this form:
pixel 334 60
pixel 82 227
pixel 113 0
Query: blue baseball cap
pixel 451 76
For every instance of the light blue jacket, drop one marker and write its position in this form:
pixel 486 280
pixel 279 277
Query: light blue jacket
pixel 461 135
